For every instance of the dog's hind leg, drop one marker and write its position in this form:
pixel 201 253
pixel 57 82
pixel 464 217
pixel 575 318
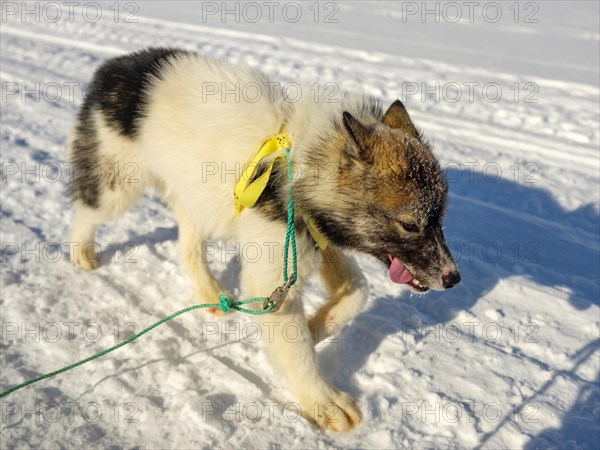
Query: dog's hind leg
pixel 83 234
pixel 193 252
pixel 82 242
pixel 347 292
pixel 106 181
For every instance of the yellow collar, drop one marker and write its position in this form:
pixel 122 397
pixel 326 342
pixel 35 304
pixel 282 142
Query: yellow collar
pixel 246 194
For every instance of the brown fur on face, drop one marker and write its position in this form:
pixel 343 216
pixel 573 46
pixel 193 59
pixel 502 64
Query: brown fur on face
pixel 389 194
pixel 396 155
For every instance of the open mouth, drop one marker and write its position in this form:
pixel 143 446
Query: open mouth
pixel 401 275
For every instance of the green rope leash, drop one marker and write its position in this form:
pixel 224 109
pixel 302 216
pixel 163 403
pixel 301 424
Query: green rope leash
pixel 226 303
pixel 290 236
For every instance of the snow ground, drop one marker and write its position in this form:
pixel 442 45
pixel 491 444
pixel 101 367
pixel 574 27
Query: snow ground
pixel 508 359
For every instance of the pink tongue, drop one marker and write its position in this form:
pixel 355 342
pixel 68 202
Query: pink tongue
pixel 398 273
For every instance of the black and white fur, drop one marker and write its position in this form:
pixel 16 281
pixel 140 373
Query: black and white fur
pixel 149 110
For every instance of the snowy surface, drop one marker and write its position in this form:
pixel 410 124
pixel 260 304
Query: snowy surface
pixel 508 359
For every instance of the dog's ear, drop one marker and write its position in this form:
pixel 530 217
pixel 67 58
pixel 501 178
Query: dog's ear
pixel 397 117
pixel 361 135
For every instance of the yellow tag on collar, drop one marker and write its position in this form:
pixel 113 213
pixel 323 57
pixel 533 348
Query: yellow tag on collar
pixel 246 194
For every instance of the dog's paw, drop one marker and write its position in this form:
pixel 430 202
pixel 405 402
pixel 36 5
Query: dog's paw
pixel 334 410
pixel 85 258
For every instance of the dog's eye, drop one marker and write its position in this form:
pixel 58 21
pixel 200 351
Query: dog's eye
pixel 410 227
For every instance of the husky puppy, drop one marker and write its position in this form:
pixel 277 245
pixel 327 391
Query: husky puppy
pixel 186 124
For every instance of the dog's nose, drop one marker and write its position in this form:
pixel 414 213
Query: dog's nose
pixel 450 279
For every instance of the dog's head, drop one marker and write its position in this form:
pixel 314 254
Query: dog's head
pixel 390 199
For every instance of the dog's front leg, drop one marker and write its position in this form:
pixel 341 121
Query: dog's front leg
pixel 286 336
pixel 291 350
pixel 347 293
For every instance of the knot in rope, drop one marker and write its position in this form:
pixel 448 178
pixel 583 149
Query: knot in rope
pixel 224 302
